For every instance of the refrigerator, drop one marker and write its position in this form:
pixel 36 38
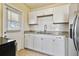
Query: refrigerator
pixel 74 35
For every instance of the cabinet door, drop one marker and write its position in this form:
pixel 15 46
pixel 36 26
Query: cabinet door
pixel 37 43
pixel 58 47
pixel 40 12
pixel 26 40
pixel 61 14
pixel 47 45
pixel 32 18
pixel 48 11
pixel 29 41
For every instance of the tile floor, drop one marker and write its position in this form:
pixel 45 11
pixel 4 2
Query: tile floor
pixel 27 52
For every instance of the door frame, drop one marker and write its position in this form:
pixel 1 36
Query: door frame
pixel 6 5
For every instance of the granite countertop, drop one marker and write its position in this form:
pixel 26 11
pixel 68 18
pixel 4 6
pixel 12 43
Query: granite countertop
pixel 5 40
pixel 58 33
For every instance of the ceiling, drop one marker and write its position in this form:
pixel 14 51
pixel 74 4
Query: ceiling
pixel 37 5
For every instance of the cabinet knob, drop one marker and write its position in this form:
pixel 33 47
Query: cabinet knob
pixel 41 38
pixel 4 32
pixel 59 37
pixel 53 40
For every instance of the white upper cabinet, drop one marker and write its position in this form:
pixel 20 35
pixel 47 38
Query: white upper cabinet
pixel 40 12
pixel 48 11
pixel 32 17
pixel 60 14
pixel 44 12
pixel 72 13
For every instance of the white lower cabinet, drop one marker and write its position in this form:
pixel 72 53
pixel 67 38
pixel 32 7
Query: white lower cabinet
pixel 37 43
pixel 59 46
pixel 48 44
pixel 29 41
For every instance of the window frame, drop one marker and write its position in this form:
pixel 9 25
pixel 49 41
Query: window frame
pixel 13 10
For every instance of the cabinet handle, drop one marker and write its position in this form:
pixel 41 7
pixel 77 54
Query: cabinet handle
pixel 41 38
pixel 53 40
pixel 58 37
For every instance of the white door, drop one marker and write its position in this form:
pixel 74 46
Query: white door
pixel 12 25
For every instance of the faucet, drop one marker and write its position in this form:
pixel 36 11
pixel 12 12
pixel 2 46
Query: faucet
pixel 45 28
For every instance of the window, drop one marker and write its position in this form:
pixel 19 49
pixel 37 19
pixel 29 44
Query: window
pixel 13 20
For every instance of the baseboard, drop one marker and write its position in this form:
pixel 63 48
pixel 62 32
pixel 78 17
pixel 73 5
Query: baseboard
pixel 38 52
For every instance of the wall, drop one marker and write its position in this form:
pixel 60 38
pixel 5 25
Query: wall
pixel 0 19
